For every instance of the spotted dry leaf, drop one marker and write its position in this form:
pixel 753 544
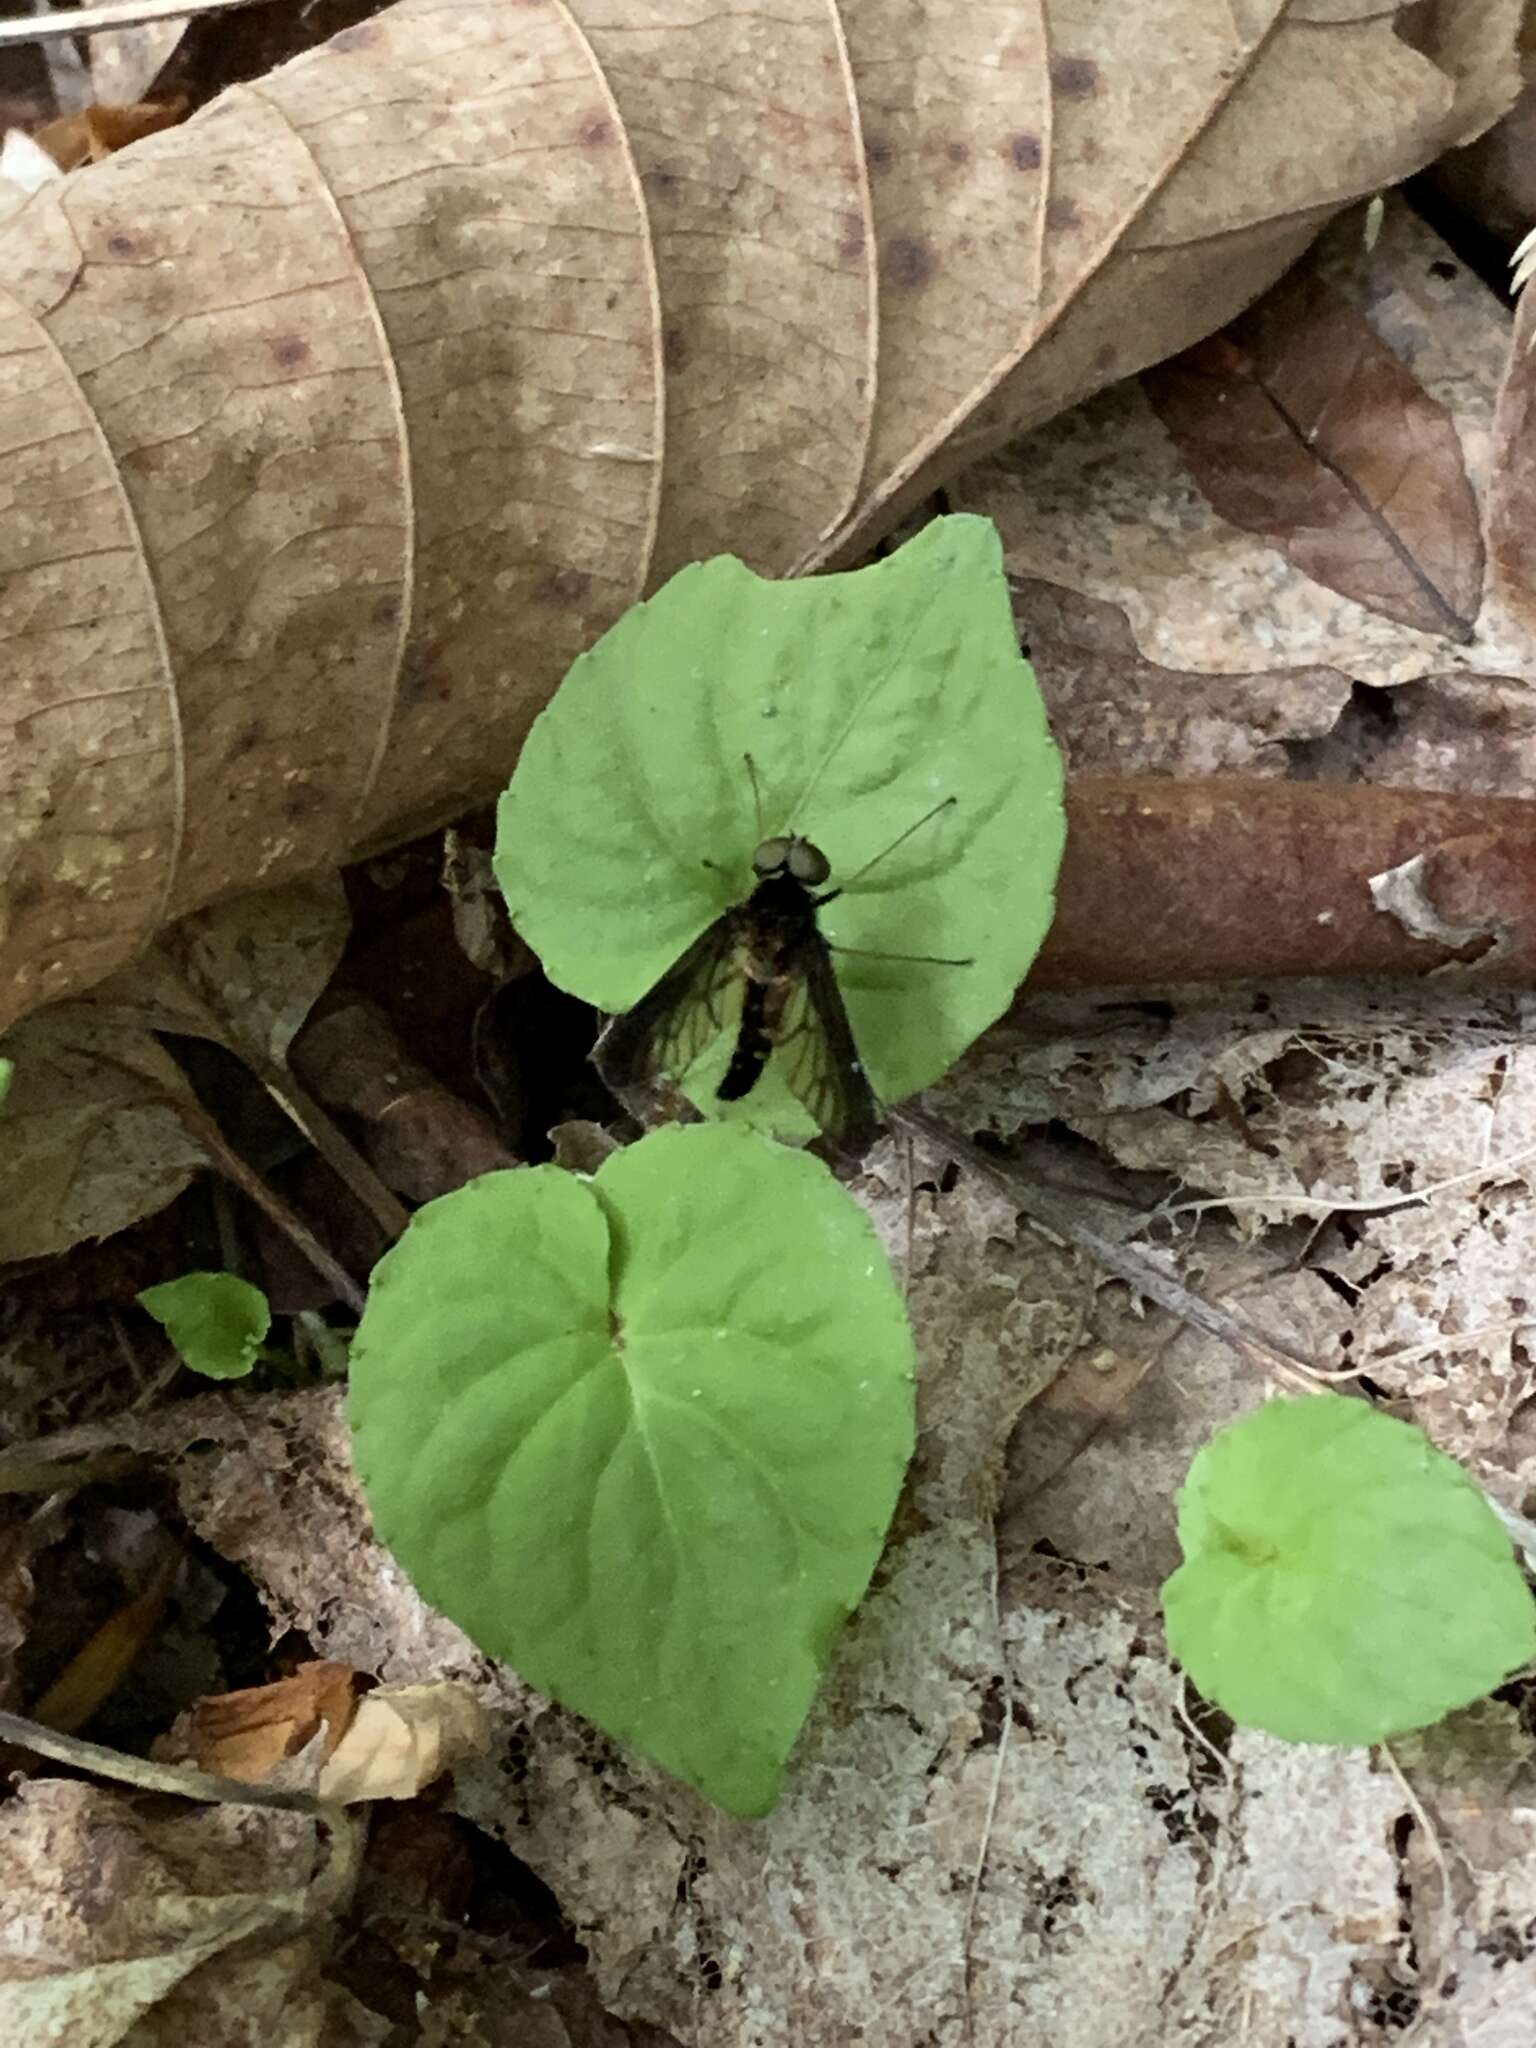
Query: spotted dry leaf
pixel 346 415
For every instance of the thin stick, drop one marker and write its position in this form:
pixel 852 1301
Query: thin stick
pixel 1376 1205
pixel 1137 1271
pixel 49 1475
pixel 334 1147
pixel 994 1795
pixel 150 1777
pixel 88 21
pixel 228 1162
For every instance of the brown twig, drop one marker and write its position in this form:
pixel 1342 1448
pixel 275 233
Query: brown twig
pixel 222 1156
pixel 1171 880
pixel 149 1777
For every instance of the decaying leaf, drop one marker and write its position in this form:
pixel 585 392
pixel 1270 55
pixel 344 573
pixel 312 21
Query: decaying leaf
pixel 92 1141
pixel 248 1734
pixel 1355 554
pixel 1300 425
pixel 244 974
pixel 403 1738
pixel 388 1744
pixel 92 1144
pixel 333 399
pixel 151 1925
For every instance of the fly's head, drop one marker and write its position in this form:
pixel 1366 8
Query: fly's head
pixel 788 855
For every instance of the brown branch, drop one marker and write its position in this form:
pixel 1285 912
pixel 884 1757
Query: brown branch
pixel 1167 880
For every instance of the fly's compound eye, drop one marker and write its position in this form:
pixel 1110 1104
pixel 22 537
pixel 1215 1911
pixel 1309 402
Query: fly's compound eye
pixel 807 863
pixel 771 855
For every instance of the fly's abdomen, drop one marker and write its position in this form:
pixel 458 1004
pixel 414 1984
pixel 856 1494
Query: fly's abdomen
pixel 754 1042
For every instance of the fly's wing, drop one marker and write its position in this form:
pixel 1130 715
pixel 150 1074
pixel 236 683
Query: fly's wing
pixel 818 1057
pixel 670 1026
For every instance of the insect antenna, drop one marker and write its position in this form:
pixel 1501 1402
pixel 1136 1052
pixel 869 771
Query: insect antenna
pixel 757 795
pixel 912 959
pixel 899 840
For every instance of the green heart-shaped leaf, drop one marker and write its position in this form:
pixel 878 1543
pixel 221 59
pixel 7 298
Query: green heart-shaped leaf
pixel 217 1321
pixel 864 700
pixel 641 1436
pixel 1343 1580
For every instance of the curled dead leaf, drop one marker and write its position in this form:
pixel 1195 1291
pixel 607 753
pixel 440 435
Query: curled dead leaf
pixel 247 1734
pixel 402 1738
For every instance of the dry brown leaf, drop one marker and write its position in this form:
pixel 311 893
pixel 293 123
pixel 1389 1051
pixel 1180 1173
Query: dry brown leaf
pixel 97 132
pixel 334 398
pixel 247 1734
pixel 91 1143
pixel 156 1925
pixel 1299 425
pixel 403 1738
pixel 1103 504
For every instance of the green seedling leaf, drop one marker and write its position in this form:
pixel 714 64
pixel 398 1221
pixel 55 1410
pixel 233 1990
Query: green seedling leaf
pixel 1343 1580
pixel 864 700
pixel 216 1321
pixel 7 1068
pixel 642 1435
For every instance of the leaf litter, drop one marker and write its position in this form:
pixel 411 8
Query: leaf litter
pixel 1007 1816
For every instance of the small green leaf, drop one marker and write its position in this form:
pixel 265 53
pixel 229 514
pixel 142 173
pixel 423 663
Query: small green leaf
pixel 864 700
pixel 1343 1580
pixel 216 1321
pixel 7 1068
pixel 642 1435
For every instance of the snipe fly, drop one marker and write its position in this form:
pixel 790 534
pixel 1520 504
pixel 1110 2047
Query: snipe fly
pixel 790 1001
